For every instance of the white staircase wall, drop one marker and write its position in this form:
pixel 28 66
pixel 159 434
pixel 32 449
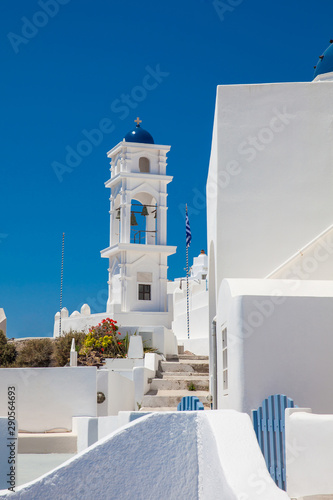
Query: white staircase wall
pixel 192 455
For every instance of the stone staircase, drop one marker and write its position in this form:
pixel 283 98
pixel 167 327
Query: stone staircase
pixel 173 380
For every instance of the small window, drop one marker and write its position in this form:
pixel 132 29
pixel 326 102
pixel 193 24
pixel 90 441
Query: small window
pixel 225 361
pixel 144 292
pixel 144 164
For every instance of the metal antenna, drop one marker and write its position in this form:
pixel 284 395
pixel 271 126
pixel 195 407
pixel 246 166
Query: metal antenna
pixel 61 278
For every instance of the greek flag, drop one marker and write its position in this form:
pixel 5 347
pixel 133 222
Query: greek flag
pixel 188 230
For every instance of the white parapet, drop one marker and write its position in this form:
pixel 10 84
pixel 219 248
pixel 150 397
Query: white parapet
pixel 309 458
pixel 204 455
pixel 151 326
pixel 198 314
pixel 118 391
pixel 135 349
pixel 73 354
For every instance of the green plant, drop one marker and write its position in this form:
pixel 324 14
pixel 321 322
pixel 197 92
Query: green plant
pixel 148 348
pixel 103 339
pixel 62 346
pixel 8 352
pixel 191 387
pixel 36 353
pixel 126 342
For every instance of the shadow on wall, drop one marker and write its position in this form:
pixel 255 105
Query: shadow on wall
pixel 206 455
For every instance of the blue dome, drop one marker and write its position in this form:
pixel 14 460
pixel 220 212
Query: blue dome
pixel 325 63
pixel 139 135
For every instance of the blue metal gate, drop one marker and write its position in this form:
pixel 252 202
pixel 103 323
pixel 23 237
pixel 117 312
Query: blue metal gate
pixel 269 426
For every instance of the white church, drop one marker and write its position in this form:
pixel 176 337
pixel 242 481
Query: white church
pixel 261 303
pixel 140 298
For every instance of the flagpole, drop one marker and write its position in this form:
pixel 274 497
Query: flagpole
pixel 61 278
pixel 187 291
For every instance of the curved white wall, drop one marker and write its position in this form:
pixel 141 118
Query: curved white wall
pixel 190 455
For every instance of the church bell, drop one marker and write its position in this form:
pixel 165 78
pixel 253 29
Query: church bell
pixel 133 220
pixel 144 211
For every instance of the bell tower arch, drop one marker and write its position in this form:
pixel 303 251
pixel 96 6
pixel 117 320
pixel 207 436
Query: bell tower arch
pixel 138 249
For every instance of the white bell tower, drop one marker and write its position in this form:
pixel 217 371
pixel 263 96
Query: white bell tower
pixel 138 248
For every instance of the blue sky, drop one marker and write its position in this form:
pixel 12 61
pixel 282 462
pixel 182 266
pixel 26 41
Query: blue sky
pixel 67 67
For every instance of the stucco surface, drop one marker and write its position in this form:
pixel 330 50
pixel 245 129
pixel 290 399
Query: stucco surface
pixel 309 442
pixel 190 455
pixel 279 342
pixel 271 154
pixel 48 398
pixel 240 458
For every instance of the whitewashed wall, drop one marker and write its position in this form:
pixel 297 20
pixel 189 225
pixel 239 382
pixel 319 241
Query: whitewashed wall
pixel 48 398
pixel 118 391
pixel 141 375
pixel 198 304
pixel 271 153
pixel 279 342
pixel 137 372
pixel 190 455
pixel 313 262
pixel 86 430
pixel 309 444
pixel 152 323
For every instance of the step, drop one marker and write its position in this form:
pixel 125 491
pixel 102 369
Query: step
pixel 164 398
pixel 184 375
pixel 194 362
pixel 185 366
pixel 57 442
pixel 180 383
pixel 317 497
pixel 172 357
pixel 193 356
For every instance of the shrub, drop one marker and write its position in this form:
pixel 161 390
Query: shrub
pixel 62 346
pixel 104 340
pixel 7 351
pixel 35 353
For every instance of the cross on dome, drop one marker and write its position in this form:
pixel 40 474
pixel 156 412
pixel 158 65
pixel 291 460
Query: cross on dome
pixel 138 134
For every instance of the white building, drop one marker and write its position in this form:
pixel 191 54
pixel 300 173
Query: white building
pixel 138 250
pixel 3 321
pixel 198 342
pixel 270 215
